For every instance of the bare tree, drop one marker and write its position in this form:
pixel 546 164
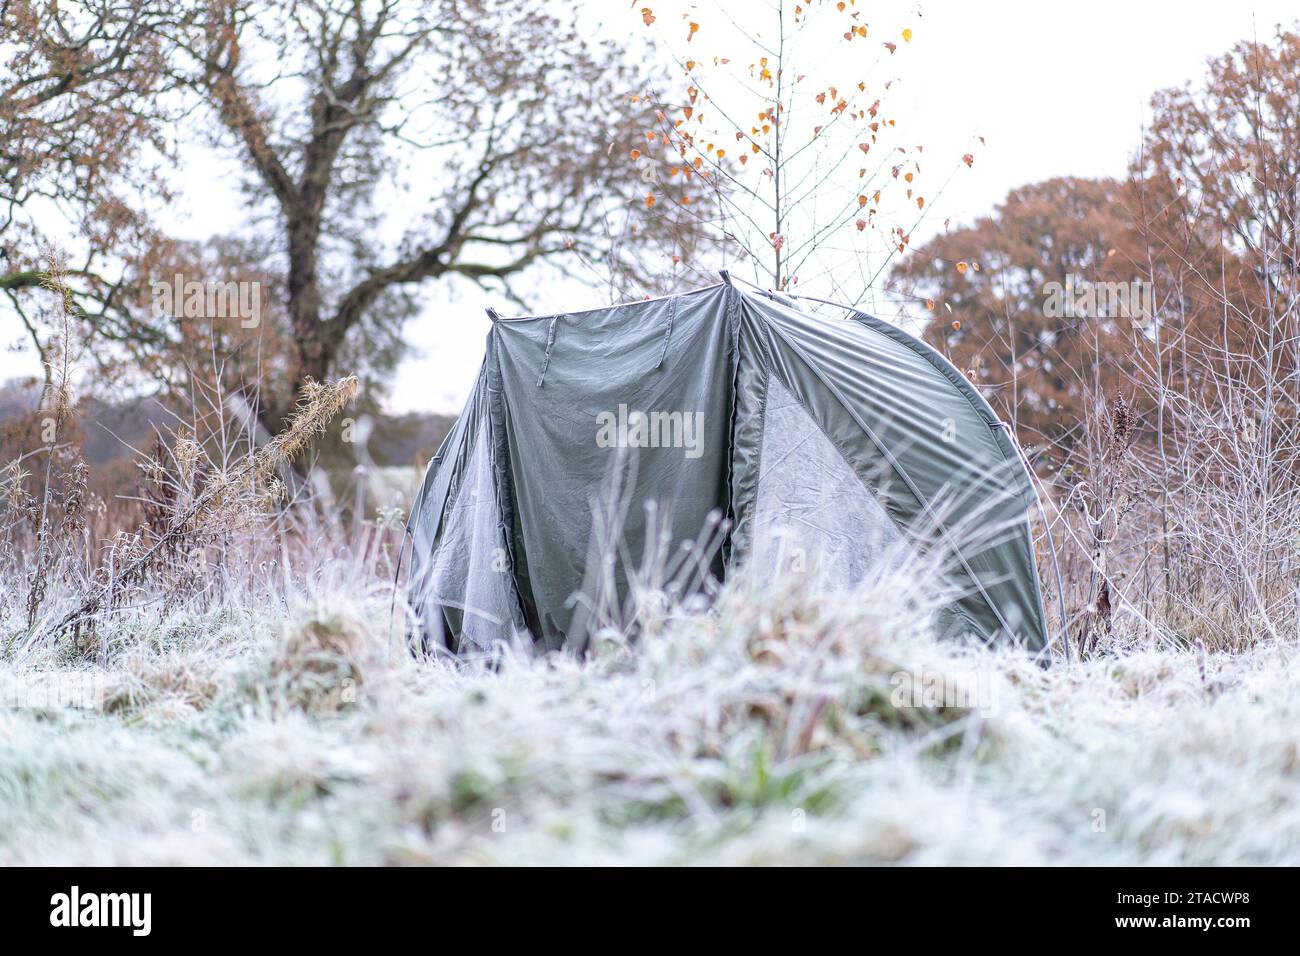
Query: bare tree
pixel 494 136
pixel 82 91
pixel 1220 215
pixel 784 105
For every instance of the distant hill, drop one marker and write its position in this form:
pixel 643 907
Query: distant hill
pixel 109 431
pixel 410 439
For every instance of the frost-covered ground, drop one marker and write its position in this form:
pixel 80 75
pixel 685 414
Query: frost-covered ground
pixel 778 729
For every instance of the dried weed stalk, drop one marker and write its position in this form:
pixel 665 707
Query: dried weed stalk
pixel 218 500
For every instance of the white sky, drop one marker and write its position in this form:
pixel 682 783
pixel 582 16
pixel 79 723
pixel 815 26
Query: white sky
pixel 1055 89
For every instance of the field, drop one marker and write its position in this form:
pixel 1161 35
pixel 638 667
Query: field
pixel 286 723
pixel 249 256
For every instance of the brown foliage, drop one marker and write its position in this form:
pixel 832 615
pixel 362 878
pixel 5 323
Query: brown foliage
pixel 985 288
pixel 1187 515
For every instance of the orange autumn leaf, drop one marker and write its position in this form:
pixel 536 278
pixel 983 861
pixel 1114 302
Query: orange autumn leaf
pixel 650 200
pixel 962 267
pixel 636 154
pixel 695 27
pixel 647 16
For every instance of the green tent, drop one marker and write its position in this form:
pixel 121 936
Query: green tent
pixel 831 446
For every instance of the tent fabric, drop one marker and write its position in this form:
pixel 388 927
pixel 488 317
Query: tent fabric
pixel 470 600
pixel 834 447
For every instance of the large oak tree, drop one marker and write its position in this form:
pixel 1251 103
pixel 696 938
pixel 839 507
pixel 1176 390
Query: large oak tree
pixel 491 136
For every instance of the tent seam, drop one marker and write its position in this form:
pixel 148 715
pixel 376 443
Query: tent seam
pixel 550 344
pixel 672 315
